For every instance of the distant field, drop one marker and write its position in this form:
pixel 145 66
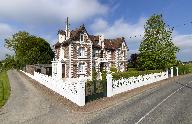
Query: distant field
pixel 4 88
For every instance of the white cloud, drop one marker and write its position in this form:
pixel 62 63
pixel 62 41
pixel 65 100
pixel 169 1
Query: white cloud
pixel 184 42
pixel 5 30
pixel 99 25
pixel 49 11
pixel 120 28
pixel 4 51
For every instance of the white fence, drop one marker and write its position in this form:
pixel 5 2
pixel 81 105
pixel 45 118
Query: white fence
pixel 72 89
pixel 122 85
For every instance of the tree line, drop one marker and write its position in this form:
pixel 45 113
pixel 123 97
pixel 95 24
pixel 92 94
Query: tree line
pixel 28 49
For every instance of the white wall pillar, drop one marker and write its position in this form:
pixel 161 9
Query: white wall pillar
pixel 171 71
pixel 177 71
pixel 109 85
pixel 54 68
pixel 81 91
pixel 59 70
pixel 167 73
pixel 91 66
pixel 70 61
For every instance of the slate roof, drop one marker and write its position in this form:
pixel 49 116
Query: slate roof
pixel 114 43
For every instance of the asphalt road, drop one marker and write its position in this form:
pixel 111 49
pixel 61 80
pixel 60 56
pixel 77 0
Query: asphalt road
pixel 170 103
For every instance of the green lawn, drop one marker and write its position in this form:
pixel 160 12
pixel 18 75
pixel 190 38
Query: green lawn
pixel 4 88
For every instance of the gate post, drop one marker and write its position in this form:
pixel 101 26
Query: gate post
pixel 109 85
pixel 167 73
pixel 81 91
pixel 171 71
pixel 177 71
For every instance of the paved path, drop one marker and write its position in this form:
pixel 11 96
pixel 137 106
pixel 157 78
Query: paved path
pixel 168 104
pixel 29 105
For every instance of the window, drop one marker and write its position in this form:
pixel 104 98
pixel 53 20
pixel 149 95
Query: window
pixel 81 52
pixel 94 53
pixel 122 68
pixel 81 38
pixel 81 68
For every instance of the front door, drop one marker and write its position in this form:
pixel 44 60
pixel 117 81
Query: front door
pixel 63 70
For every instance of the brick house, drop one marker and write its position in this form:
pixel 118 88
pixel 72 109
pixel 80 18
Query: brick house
pixel 78 53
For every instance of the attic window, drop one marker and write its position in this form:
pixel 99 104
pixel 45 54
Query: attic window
pixel 81 38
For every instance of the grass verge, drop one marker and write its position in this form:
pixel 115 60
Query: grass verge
pixel 4 88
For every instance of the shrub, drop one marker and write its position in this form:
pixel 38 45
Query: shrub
pixel 128 74
pixel 103 75
pixel 94 74
pixel 132 69
pixel 113 69
pixel 183 69
pixel 190 68
pixel 89 87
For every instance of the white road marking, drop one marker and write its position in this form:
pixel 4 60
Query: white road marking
pixel 159 104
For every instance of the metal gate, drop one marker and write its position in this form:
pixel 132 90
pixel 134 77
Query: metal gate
pixel 95 89
pixel 169 72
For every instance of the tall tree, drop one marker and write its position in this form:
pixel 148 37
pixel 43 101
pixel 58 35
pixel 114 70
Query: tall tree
pixel 29 49
pixel 157 50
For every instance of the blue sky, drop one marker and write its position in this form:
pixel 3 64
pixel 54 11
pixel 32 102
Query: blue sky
pixel 113 18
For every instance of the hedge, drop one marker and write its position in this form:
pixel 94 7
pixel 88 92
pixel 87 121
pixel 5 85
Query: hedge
pixel 184 69
pixel 128 74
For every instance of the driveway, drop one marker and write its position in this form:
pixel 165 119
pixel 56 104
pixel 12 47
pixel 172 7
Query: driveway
pixel 27 104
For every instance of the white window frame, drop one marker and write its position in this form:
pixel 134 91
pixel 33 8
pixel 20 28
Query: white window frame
pixel 81 52
pixel 122 67
pixel 81 38
pixel 81 68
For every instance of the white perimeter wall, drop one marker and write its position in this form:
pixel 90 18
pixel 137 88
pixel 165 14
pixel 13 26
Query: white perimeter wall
pixel 72 89
pixel 122 85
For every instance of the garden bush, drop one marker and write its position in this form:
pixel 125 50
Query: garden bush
pixel 134 73
pixel 113 69
pixel 184 69
pixel 95 86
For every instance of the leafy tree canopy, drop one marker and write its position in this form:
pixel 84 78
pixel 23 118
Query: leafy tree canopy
pixel 157 50
pixel 8 62
pixel 29 49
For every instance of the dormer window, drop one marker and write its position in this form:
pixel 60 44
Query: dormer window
pixel 81 38
pixel 81 52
